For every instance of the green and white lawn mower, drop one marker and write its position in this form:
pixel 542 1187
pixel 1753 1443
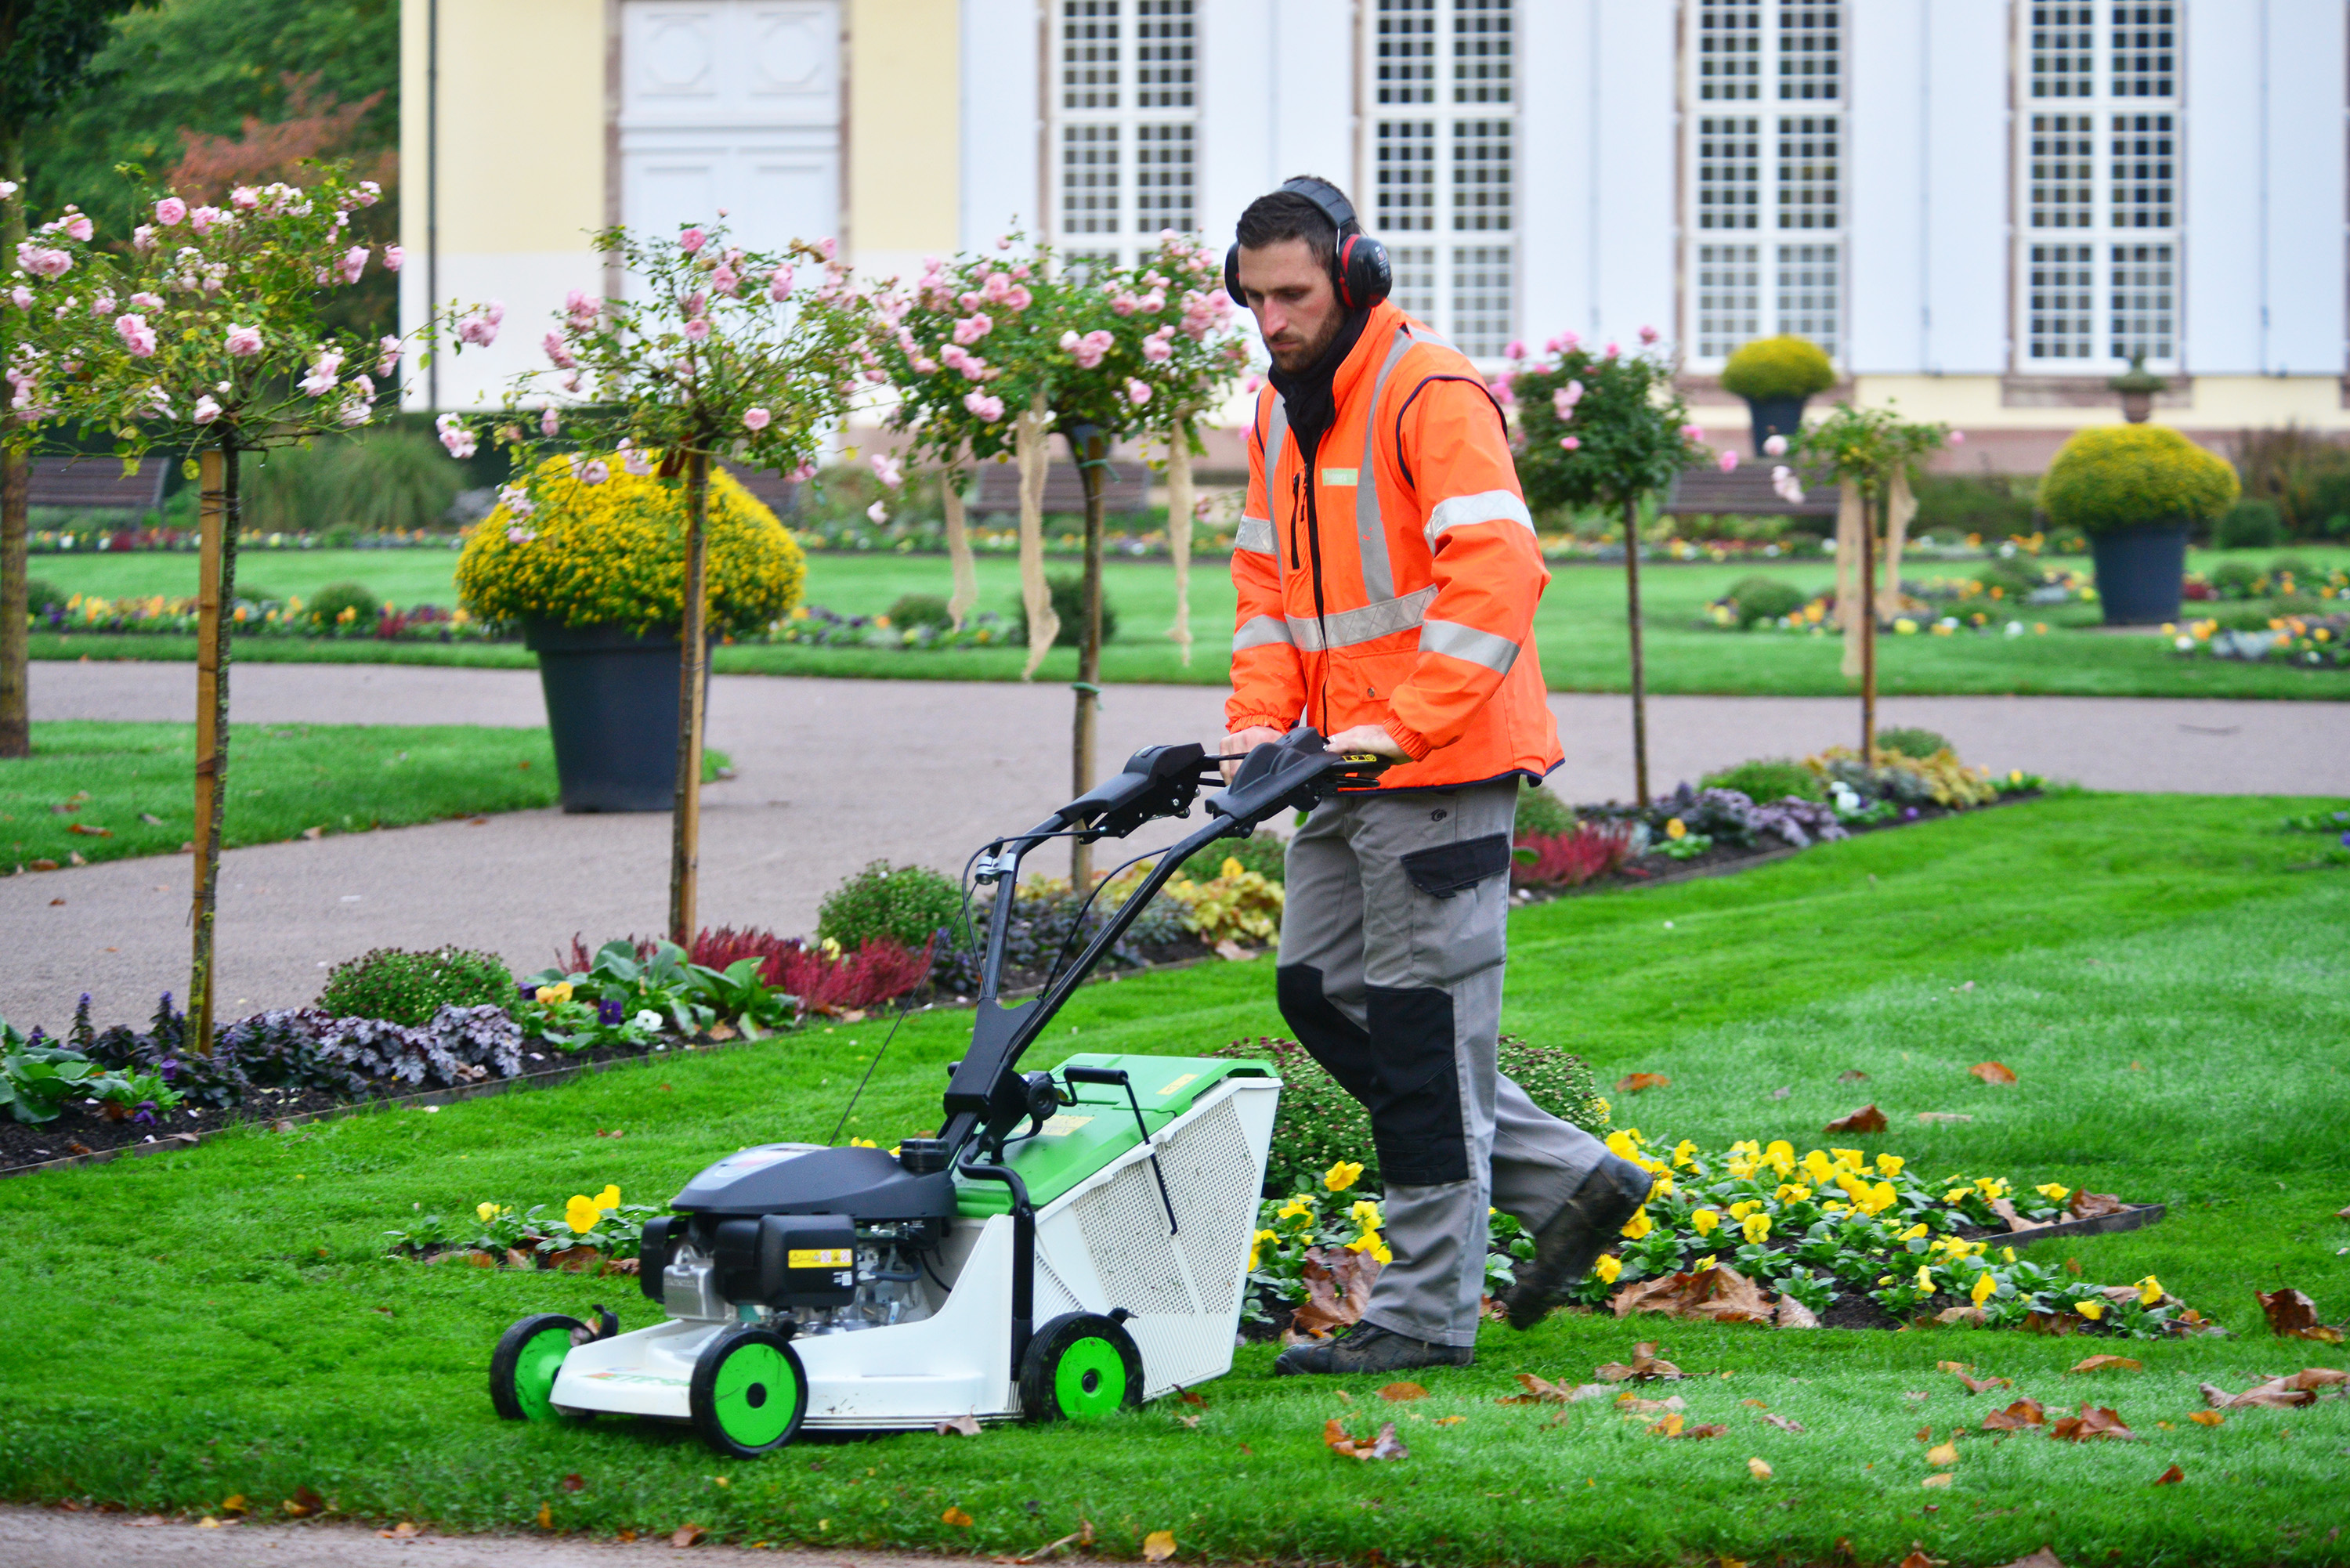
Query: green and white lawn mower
pixel 1095 1259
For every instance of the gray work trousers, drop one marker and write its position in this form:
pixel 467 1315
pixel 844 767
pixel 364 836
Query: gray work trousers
pixel 1394 932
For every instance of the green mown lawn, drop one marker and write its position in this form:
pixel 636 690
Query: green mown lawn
pixel 2166 986
pixel 1580 626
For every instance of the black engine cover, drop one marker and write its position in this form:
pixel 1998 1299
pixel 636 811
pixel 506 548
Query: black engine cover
pixel 802 1178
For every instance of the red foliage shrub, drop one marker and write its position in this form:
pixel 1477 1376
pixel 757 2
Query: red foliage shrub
pixel 1571 860
pixel 880 971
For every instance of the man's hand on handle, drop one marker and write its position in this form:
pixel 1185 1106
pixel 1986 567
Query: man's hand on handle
pixel 1240 742
pixel 1371 738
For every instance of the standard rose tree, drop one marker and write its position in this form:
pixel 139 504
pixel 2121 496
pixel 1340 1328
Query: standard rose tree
pixel 989 354
pixel 205 337
pixel 716 351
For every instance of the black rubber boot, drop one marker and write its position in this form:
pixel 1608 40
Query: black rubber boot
pixel 1565 1248
pixel 1370 1348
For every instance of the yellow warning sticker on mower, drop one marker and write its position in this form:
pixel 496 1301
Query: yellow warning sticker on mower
pixel 1065 1124
pixel 819 1258
pixel 1167 1089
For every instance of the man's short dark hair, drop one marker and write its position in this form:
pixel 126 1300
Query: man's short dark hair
pixel 1287 215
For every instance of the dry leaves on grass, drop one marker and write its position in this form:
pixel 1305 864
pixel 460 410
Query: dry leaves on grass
pixel 1867 1119
pixel 1759 1468
pixel 960 1427
pixel 2277 1393
pixel 689 1535
pixel 1633 1082
pixel 1159 1546
pixel 1386 1445
pixel 2043 1558
pixel 1542 1391
pixel 303 1503
pixel 1942 1454
pixel 2094 1422
pixel 2087 1205
pixel 957 1518
pixel 1400 1392
pixel 1994 1072
pixel 1645 1368
pixel 1943 1478
pixel 2105 1363
pixel 1852 1075
pixel 1976 1384
pixel 2006 1210
pixel 1082 1536
pixel 2170 1477
pixel 2207 1417
pixel 2292 1315
pixel 1772 1417
pixel 2016 1416
pixel 1675 1425
pixel 1337 1288
pixel 546 1516
pixel 1793 1313
pixel 1720 1295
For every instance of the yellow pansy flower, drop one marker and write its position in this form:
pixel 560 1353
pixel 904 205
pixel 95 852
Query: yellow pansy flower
pixel 1925 1279
pixel 1684 1155
pixel 1664 1185
pixel 1835 1208
pixel 1743 1168
pixel 1912 1233
pixel 1296 1209
pixel 1257 1246
pixel 1743 1207
pixel 1621 1146
pixel 1852 1157
pixel 1779 1148
pixel 1954 1194
pixel 2093 1311
pixel 863 1143
pixel 1365 1214
pixel 487 1212
pixel 2149 1291
pixel 1342 1176
pixel 1638 1225
pixel 1704 1221
pixel 1822 1171
pixel 609 1197
pixel 548 995
pixel 1792 1192
pixel 1879 1197
pixel 2007 1254
pixel 2053 1191
pixel 1757 1226
pixel 581 1214
pixel 1607 1268
pixel 1986 1287
pixel 1991 1187
pixel 1702 1264
pixel 1369 1242
pixel 1890 1164
pixel 1675 828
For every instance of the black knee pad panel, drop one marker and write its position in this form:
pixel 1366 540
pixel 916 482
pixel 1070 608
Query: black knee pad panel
pixel 1329 1036
pixel 1416 1117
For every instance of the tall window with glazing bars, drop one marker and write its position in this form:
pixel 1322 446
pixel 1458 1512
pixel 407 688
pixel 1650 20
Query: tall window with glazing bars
pixel 1125 124
pixel 2099 160
pixel 1766 191
pixel 1444 164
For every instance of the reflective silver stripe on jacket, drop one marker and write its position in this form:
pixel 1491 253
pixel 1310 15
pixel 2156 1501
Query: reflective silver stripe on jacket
pixel 1490 506
pixel 1259 630
pixel 1255 536
pixel 1346 627
pixel 1497 653
pixel 1277 437
pixel 1371 537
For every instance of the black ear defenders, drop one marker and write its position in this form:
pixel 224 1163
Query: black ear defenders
pixel 1359 268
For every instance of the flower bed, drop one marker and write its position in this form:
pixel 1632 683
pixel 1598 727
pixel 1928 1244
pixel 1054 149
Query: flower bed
pixel 161 616
pixel 99 539
pixel 2314 642
pixel 592 1235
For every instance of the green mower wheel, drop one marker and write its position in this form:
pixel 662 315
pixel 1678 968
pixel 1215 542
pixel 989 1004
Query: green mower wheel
pixel 523 1367
pixel 1079 1367
pixel 748 1393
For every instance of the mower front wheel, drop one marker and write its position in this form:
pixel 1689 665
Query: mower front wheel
pixel 1079 1367
pixel 748 1393
pixel 524 1368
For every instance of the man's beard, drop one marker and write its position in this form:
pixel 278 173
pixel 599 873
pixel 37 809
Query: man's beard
pixel 1296 361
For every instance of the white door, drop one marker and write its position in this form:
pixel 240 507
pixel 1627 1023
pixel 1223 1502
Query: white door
pixel 732 103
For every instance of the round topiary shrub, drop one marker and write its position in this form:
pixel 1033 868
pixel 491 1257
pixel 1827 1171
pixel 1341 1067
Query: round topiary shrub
pixel 1782 367
pixel 1760 597
pixel 1916 744
pixel 1318 1124
pixel 1768 779
pixel 2012 578
pixel 1539 811
pixel 2235 579
pixel 2120 476
pixel 40 596
pixel 907 904
pixel 1265 852
pixel 2249 525
pixel 921 609
pixel 343 606
pixel 1069 605
pixel 409 988
pixel 2293 567
pixel 613 554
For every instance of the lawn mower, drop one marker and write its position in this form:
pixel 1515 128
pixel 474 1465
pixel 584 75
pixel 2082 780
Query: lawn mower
pixel 1095 1258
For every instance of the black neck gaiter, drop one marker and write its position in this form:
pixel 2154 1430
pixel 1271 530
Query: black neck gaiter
pixel 1307 395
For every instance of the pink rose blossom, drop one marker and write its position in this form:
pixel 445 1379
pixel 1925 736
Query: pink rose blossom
pixel 1159 345
pixel 143 239
pixel 392 256
pixel 886 470
pixel 43 261
pixel 170 211
pixel 802 474
pixel 207 411
pixel 519 535
pixel 387 356
pixel 1611 350
pixel 136 335
pixel 779 284
pixel 984 407
pixel 460 441
pixel 1727 461
pixel 549 422
pixel 557 354
pixel 878 512
pixel 201 219
pixel 973 327
pixel 691 241
pixel 244 198
pixel 1090 348
pixel 594 471
pixel 516 501
pixel 358 402
pixel 1776 446
pixel 697 329
pixel 21 297
pixel 725 278
pixel 756 419
pixel 146 301
pixel 79 227
pixel 102 305
pixel 1570 443
pixel 354 262
pixel 954 355
pixel 634 459
pixel 1693 432
pixel 975 368
pixel 1516 350
pixel 481 328
pixel 1957 438
pixel 1648 335
pixel 324 373
pixel 244 342
pixel 1137 392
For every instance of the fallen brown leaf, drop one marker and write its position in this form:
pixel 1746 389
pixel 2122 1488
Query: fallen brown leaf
pixel 2319 1377
pixel 1645 1368
pixel 1978 1384
pixel 1774 1418
pixel 2105 1363
pixel 2171 1476
pixel 2207 1417
pixel 1542 1391
pixel 2016 1416
pixel 574 1481
pixel 1994 1072
pixel 546 1516
pixel 2087 1205
pixel 2043 1558
pixel 1633 1082
pixel 2094 1422
pixel 1159 1546
pixel 1385 1446
pixel 1973 1314
pixel 1449 1420
pixel 965 1425
pixel 1852 1075
pixel 1633 1404
pixel 2276 1394
pixel 235 1504
pixel 1943 1478
pixel 953 1516
pixel 1397 1392
pixel 1337 1288
pixel 1191 1398
pixel 2292 1315
pixel 303 1503
pixel 1720 1294
pixel 691 1534
pixel 2006 1210
pixel 1759 1468
pixel 403 1531
pixel 1867 1119
pixel 1793 1313
pixel 1942 1454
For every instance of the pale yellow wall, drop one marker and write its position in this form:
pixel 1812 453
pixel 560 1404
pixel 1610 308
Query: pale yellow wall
pixel 904 128
pixel 2214 402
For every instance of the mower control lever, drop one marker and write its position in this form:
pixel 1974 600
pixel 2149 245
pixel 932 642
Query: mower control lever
pixel 1157 780
pixel 1296 771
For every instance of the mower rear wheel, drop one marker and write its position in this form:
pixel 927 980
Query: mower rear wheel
pixel 1079 1367
pixel 524 1368
pixel 748 1393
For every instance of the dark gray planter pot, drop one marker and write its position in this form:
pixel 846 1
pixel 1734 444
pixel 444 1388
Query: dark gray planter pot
pixel 2140 571
pixel 1776 416
pixel 612 707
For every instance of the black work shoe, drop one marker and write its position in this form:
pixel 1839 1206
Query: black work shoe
pixel 1565 1248
pixel 1367 1347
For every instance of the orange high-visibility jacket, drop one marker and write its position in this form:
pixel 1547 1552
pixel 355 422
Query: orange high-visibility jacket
pixel 1394 584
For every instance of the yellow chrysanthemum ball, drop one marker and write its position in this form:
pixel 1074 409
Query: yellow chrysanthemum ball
pixel 614 555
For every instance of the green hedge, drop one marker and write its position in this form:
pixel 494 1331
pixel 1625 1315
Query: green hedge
pixel 1782 367
pixel 2117 476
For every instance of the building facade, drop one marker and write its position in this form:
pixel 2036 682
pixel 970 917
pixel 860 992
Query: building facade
pixel 1980 208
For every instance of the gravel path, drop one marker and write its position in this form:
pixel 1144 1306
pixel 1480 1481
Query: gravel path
pixel 833 773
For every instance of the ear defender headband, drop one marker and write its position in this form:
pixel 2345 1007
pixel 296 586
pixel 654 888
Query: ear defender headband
pixel 1358 267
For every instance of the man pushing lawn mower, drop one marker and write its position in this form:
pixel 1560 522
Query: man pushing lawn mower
pixel 1387 576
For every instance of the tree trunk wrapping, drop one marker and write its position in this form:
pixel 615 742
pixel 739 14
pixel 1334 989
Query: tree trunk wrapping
pixel 1847 601
pixel 1639 671
pixel 1034 456
pixel 1091 462
pixel 685 822
pixel 216 602
pixel 959 557
pixel 1900 506
pixel 16 503
pixel 1869 629
pixel 1179 534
